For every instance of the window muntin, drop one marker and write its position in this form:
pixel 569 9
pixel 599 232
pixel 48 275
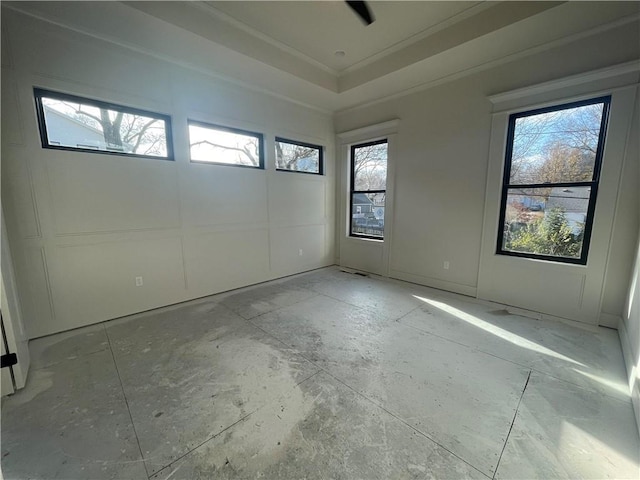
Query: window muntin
pixel 69 122
pixel 368 189
pixel 550 181
pixel 294 156
pixel 225 145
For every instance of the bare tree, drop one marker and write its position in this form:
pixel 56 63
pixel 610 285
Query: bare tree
pixel 121 130
pixel 564 163
pixel 248 153
pixel 370 167
pixel 557 146
pixel 287 158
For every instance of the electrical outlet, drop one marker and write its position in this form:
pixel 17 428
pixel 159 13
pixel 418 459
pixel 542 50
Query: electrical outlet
pixel 138 281
pixel 300 252
pixel 446 265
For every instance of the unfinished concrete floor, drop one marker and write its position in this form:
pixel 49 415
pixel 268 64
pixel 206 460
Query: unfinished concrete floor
pixel 326 375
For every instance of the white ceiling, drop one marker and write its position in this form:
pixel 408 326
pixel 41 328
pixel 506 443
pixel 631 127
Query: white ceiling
pixel 318 29
pixel 288 48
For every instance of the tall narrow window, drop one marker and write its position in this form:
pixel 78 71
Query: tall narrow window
pixel 550 184
pixel 368 189
pixel 68 122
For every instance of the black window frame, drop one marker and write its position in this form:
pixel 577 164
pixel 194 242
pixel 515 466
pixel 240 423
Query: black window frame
pixel 353 191
pixel 320 149
pixel 40 93
pixel 593 183
pixel 225 128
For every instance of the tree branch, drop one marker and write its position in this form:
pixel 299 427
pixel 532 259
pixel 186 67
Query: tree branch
pixel 224 147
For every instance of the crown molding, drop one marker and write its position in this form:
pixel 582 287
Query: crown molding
pixel 571 81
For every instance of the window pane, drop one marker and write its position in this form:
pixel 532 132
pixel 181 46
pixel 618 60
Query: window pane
pixel 209 143
pixel 298 157
pixel 367 211
pixel 546 221
pixel 370 167
pixel 73 124
pixel 555 147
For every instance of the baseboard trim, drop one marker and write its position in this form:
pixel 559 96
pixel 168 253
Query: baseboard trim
pixel 434 283
pixel 609 320
pixel 632 374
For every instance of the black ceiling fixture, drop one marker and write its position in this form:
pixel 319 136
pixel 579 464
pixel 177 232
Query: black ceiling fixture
pixel 363 11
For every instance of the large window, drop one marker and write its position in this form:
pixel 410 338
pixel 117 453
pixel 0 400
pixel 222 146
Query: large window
pixel 368 189
pixel 225 145
pixel 68 122
pixel 292 156
pixel 550 181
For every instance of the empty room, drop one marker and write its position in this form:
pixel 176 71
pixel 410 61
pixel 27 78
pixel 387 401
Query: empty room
pixel 320 240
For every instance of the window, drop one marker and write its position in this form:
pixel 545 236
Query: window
pixel 68 122
pixel 225 145
pixel 368 189
pixel 292 156
pixel 550 181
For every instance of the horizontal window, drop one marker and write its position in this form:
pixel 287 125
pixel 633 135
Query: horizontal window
pixel 550 182
pixel 69 122
pixel 300 157
pixel 225 145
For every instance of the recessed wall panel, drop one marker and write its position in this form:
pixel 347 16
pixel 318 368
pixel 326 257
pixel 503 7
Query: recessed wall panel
pixel 362 255
pixel 220 261
pixel 298 248
pixel 296 199
pixel 34 293
pixel 96 282
pixel 217 195
pixel 534 287
pixel 11 118
pixel 17 192
pixel 95 193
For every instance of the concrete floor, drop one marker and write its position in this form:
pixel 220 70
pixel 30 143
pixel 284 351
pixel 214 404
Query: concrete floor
pixel 324 375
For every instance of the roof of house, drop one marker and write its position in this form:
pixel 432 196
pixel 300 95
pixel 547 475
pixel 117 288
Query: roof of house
pixel 571 200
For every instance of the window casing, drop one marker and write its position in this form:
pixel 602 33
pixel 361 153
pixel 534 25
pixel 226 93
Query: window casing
pixel 69 122
pixel 300 157
pixel 368 187
pixel 550 183
pixel 222 145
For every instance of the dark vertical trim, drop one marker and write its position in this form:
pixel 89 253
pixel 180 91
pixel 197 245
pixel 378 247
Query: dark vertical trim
pixel 9 358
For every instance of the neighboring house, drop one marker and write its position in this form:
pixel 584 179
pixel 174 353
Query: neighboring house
pixel 65 131
pixel 574 202
pixel 362 206
pixel 535 204
pixel 367 214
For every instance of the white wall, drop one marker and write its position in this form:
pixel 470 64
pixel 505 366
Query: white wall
pixel 629 329
pixel 442 164
pixel 83 226
pixel 369 255
pixel 553 288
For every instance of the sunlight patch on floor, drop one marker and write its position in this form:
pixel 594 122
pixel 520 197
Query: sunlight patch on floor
pixel 497 331
pixel 578 447
pixel 616 387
